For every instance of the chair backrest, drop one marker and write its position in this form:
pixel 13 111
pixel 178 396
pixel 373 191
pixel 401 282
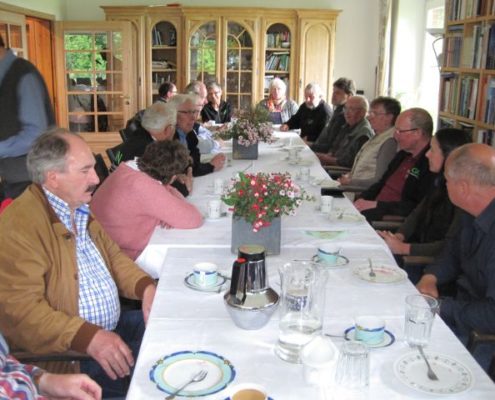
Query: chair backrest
pixel 101 168
pixel 116 155
pixel 124 134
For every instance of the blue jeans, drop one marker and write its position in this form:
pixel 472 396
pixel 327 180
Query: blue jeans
pixel 131 329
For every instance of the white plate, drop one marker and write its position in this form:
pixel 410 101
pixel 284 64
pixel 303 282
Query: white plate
pixel 384 274
pixel 346 217
pixel 454 377
pixel 191 284
pixel 171 371
pixel 388 338
pixel 341 261
pixel 328 235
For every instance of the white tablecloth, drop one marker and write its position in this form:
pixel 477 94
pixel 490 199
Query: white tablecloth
pixel 183 319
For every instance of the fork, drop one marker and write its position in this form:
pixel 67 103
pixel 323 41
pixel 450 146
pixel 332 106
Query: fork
pixel 372 273
pixel 431 374
pixel 195 378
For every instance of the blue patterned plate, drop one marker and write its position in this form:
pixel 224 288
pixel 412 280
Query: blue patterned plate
pixel 171 371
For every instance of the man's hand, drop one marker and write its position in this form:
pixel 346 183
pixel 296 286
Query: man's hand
pixel 395 242
pixel 326 159
pixel 363 205
pixel 344 179
pixel 147 302
pixel 72 386
pixel 428 285
pixel 186 179
pixel 218 161
pixel 284 127
pixel 113 355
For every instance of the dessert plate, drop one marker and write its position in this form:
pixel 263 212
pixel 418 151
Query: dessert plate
pixel 339 216
pixel 173 370
pixel 341 262
pixel 453 376
pixel 388 338
pixel 329 235
pixel 383 274
pixel 191 284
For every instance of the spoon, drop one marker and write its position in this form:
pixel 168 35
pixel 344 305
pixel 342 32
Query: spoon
pixel 372 273
pixel 431 374
pixel 198 377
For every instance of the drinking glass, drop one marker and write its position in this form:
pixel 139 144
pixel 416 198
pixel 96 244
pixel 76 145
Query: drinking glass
pixel 353 366
pixel 301 307
pixel 420 313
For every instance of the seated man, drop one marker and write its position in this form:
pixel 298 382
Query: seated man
pixel 166 91
pixel 312 115
pixel 216 109
pixel 187 112
pixel 343 88
pixel 22 381
pixel 408 177
pixel 157 124
pixel 469 257
pixel 373 159
pixel 61 274
pixel 352 135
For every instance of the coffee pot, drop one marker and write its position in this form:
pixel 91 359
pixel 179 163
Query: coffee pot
pixel 250 301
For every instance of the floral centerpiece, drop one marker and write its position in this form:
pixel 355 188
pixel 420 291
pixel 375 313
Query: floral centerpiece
pixel 250 128
pixel 259 198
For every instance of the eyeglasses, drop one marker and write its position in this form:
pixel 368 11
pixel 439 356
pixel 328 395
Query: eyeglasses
pixel 401 131
pixel 189 112
pixel 376 113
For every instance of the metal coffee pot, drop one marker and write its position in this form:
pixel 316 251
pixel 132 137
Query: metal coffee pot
pixel 250 301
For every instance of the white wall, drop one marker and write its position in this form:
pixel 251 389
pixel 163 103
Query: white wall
pixel 357 26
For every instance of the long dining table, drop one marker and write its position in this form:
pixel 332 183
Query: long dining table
pixel 184 320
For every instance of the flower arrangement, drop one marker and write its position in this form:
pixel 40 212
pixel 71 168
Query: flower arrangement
pixel 250 128
pixel 261 197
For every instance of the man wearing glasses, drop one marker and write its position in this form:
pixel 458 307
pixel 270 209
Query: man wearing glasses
pixel 408 177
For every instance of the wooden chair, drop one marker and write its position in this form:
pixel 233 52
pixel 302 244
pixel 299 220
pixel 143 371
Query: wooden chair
pixel 116 155
pixel 101 168
pixel 124 135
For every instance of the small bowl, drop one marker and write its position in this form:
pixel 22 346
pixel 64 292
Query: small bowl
pixel 285 45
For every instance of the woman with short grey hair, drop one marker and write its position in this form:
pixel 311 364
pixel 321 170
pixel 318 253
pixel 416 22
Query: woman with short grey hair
pixel 278 105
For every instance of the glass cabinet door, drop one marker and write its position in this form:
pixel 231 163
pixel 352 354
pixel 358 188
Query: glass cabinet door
pixel 203 53
pixel 163 55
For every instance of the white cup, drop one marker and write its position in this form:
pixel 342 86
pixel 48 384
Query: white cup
pixel 214 209
pixel 369 329
pixel 218 185
pixel 328 253
pixel 205 274
pixel 326 204
pixel 248 391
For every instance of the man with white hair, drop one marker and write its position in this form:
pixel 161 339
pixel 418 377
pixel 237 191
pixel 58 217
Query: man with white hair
pixel 312 115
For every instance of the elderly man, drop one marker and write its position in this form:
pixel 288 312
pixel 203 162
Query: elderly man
pixel 26 112
pixel 343 88
pixel 187 112
pixel 373 159
pixel 408 177
pixel 352 136
pixel 468 258
pixel 216 109
pixel 61 274
pixel 312 115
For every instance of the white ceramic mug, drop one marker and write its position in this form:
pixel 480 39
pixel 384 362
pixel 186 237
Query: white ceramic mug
pixel 369 329
pixel 328 253
pixel 248 391
pixel 326 204
pixel 214 209
pixel 205 274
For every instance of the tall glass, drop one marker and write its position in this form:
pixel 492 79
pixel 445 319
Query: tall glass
pixel 301 307
pixel 420 313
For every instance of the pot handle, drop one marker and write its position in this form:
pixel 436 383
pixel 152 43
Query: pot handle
pixel 236 270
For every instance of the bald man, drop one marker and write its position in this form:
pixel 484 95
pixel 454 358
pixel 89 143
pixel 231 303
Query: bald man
pixel 469 257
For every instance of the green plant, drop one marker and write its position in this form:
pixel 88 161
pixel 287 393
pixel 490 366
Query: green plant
pixel 261 197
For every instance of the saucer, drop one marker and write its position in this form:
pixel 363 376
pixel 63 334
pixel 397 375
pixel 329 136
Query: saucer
pixel 171 371
pixel 388 338
pixel 383 274
pixel 189 282
pixel 341 261
pixel 340 216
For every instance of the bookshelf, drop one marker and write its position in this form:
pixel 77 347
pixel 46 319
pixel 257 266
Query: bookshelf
pixel 467 88
pixel 163 55
pixel 277 55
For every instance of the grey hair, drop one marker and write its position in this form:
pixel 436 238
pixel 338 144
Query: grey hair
pixel 48 153
pixel 193 87
pixel 463 164
pixel 277 82
pixel 363 101
pixel 213 85
pixel 421 119
pixel 180 99
pixel 314 88
pixel 159 115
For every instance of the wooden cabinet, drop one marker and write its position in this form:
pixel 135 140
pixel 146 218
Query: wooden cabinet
pixel 240 48
pixel 467 90
pixel 13 31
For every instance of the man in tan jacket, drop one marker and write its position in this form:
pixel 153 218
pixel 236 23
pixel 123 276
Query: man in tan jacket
pixel 61 275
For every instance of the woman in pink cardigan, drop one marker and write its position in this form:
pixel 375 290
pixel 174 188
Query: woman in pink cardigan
pixel 138 196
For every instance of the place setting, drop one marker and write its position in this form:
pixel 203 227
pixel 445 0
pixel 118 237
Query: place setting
pixel 342 216
pixel 328 256
pixel 205 278
pixel 428 372
pixel 379 273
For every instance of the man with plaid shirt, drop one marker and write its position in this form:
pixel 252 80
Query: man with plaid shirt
pixel 60 273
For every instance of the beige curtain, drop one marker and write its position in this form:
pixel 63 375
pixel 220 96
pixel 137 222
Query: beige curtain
pixel 382 87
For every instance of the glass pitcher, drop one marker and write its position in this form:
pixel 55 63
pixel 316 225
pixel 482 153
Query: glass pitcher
pixel 301 307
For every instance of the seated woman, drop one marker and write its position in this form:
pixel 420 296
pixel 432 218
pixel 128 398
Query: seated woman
pixel 138 196
pixel 424 231
pixel 216 109
pixel 278 105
